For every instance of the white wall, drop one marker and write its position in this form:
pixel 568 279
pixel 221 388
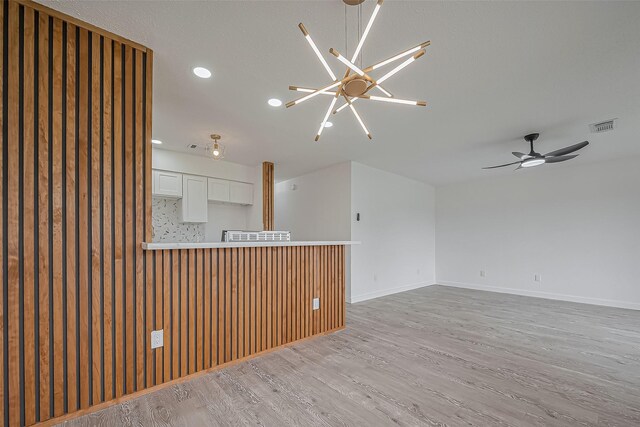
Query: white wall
pixel 319 207
pixel 224 216
pixel 221 216
pixel 201 165
pixel 396 231
pixel 576 226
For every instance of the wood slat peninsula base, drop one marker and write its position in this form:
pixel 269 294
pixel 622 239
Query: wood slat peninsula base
pixel 218 306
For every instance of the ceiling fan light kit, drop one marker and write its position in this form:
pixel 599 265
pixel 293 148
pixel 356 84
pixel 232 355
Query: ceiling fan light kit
pixel 536 159
pixel 356 83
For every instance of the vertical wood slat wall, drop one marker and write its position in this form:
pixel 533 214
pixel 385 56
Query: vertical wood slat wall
pixel 79 297
pixel 221 305
pixel 267 195
pixel 75 190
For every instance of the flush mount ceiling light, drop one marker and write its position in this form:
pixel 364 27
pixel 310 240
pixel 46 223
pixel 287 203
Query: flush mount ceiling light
pixel 216 150
pixel 274 102
pixel 156 141
pixel 202 72
pixel 536 159
pixel 356 83
pixel 328 124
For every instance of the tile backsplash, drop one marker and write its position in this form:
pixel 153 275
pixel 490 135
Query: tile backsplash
pixel 167 226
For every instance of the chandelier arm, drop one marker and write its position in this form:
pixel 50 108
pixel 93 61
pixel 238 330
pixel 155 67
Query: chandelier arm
pixel 360 72
pixel 383 90
pixel 326 116
pixel 355 113
pixel 310 90
pixel 317 52
pixel 343 106
pixel 401 66
pixel 313 94
pixel 398 56
pixel 349 64
pixel 381 99
pixel 391 100
pixel 366 30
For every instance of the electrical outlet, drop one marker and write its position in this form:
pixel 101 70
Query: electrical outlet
pixel 316 303
pixel 537 278
pixel 157 338
pixel 482 273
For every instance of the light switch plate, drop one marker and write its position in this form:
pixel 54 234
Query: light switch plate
pixel 316 303
pixel 157 338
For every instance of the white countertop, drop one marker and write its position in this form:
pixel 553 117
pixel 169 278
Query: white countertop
pixel 185 245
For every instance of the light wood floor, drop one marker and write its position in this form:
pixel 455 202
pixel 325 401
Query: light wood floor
pixel 433 356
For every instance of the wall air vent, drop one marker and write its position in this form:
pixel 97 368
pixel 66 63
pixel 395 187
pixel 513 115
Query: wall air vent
pixel 605 126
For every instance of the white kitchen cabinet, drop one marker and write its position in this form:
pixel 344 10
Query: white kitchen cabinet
pixel 241 193
pixel 167 184
pixel 194 199
pixel 218 190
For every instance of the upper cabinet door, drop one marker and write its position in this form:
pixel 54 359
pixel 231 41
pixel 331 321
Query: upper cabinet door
pixel 194 199
pixel 218 190
pixel 241 192
pixel 167 184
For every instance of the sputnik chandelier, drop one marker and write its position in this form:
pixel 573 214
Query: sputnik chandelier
pixel 357 83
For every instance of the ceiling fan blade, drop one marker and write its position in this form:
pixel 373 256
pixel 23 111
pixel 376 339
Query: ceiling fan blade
pixel 501 166
pixel 557 159
pixel 519 155
pixel 567 150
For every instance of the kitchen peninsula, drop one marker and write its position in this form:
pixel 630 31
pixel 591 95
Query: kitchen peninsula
pixel 225 301
pixel 232 300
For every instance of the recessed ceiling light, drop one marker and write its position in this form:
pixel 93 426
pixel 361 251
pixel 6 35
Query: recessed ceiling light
pixel 202 72
pixel 274 102
pixel 156 141
pixel 328 124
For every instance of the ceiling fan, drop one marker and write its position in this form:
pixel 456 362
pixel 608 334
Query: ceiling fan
pixel 537 159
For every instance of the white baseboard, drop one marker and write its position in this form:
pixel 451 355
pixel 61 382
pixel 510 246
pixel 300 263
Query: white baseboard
pixel 546 295
pixel 351 299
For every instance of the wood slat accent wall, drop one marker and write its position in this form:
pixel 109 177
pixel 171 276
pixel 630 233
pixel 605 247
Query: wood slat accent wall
pixel 79 297
pixel 267 195
pixel 221 305
pixel 75 191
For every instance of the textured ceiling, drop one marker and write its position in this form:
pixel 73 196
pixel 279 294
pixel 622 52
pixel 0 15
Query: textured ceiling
pixel 494 72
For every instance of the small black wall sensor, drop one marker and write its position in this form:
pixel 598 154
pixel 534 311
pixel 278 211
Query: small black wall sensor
pixel 358 216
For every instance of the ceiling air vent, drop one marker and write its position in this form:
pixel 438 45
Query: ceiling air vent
pixel 605 126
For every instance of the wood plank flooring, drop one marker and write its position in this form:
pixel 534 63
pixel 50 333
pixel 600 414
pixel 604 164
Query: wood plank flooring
pixel 433 356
